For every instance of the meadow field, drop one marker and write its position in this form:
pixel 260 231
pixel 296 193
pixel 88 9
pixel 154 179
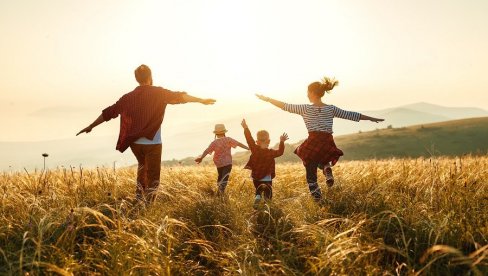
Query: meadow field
pixel 424 216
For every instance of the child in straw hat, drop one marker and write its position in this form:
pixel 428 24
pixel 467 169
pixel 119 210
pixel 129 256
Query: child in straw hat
pixel 222 156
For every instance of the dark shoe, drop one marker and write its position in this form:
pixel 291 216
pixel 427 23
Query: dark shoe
pixel 315 191
pixel 329 177
pixel 317 197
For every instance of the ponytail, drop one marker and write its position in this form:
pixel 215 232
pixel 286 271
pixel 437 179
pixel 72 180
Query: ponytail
pixel 328 84
pixel 325 85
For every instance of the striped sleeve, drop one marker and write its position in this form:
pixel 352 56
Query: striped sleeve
pixel 299 109
pixel 348 115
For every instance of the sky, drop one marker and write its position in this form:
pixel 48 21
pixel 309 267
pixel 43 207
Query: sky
pixel 62 62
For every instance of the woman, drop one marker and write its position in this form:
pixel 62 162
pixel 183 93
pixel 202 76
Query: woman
pixel 319 149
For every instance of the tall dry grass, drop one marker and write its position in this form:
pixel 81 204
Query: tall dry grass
pixel 405 216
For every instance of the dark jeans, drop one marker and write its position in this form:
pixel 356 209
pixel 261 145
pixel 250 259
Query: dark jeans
pixel 264 187
pixel 223 178
pixel 313 186
pixel 148 171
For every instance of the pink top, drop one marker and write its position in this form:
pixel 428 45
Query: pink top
pixel 221 148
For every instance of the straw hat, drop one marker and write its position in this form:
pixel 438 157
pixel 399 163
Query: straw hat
pixel 220 129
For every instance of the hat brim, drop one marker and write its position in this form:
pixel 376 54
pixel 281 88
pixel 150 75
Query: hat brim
pixel 220 131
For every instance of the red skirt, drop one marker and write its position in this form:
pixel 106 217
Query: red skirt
pixel 320 148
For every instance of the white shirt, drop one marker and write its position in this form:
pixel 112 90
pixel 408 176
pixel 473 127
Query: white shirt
pixel 266 178
pixel 156 140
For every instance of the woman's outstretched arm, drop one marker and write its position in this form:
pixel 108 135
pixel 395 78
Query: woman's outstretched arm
pixel 372 119
pixel 272 101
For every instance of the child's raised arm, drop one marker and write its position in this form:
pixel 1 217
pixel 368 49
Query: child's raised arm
pixel 247 133
pixel 281 148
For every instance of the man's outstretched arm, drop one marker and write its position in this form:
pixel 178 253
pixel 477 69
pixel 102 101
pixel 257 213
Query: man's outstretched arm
pixel 95 123
pixel 191 99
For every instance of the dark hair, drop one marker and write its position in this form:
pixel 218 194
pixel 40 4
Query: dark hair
pixel 143 74
pixel 326 85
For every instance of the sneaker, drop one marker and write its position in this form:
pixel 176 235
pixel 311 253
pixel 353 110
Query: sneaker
pixel 329 177
pixel 257 201
pixel 315 191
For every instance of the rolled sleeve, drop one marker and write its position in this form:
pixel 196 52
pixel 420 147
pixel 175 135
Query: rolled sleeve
pixel 171 97
pixel 110 112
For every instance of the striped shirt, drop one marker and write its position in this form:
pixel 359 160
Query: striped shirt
pixel 320 118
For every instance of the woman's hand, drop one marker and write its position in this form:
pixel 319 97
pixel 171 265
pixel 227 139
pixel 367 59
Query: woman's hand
pixel 262 97
pixel 274 102
pixel 376 120
pixel 198 160
pixel 372 119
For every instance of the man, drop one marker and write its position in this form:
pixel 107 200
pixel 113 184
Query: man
pixel 141 114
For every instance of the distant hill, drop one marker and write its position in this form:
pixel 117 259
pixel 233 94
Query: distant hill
pixel 423 113
pixel 449 112
pixel 450 138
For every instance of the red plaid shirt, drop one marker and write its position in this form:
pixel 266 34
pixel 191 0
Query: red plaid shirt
pixel 320 148
pixel 261 163
pixel 141 113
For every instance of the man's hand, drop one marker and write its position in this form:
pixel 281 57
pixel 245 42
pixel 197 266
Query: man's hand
pixel 207 101
pixel 262 97
pixel 85 130
pixel 89 128
pixel 198 160
pixel 284 137
pixel 243 123
pixel 376 120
